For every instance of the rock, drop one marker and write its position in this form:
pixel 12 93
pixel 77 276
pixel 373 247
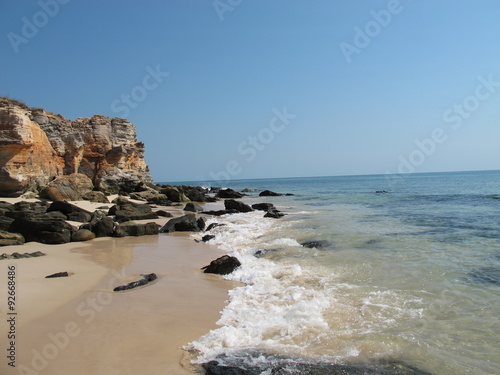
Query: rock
pixel 194 193
pixel 214 225
pixel 25 255
pixel 152 197
pixel 132 229
pixel 125 211
pixel 8 239
pixel 71 211
pixel 186 223
pixel 174 194
pixel 220 212
pixel 247 190
pixel 259 363
pixel 95 196
pixel 104 227
pixel 263 206
pixel 59 274
pixel 163 213
pixel 193 207
pixel 5 221
pixel 223 265
pixel 71 187
pixel 42 228
pixel 269 193
pixel 382 192
pixel 21 208
pixel 40 145
pixel 82 235
pixel 229 193
pixel 274 213
pixel 316 244
pixel 146 279
pixel 231 204
pixel 207 237
pixel 57 215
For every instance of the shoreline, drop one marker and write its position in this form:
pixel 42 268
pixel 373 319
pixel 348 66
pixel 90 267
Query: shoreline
pixel 78 325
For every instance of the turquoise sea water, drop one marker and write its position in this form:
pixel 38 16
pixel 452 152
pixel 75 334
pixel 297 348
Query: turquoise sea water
pixel 411 275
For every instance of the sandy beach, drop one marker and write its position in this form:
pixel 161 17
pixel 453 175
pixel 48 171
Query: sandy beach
pixel 78 325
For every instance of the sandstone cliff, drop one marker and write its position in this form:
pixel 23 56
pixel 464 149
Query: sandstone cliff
pixel 37 146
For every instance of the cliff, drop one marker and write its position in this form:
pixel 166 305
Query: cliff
pixel 37 146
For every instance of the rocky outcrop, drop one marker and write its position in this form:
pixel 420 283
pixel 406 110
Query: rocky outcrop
pixel 37 146
pixel 229 193
pixel 231 204
pixel 186 223
pixel 223 265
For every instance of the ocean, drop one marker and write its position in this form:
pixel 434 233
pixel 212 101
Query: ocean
pixel 409 275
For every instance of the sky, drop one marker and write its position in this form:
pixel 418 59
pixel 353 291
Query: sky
pixel 237 89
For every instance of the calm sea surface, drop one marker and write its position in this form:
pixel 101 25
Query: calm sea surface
pixel 411 275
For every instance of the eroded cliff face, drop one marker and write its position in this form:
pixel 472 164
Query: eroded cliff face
pixel 36 146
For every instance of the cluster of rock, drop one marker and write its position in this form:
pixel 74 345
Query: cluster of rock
pixel 48 223
pixel 37 147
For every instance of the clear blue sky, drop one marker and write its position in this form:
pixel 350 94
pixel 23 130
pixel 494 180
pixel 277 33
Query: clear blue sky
pixel 365 80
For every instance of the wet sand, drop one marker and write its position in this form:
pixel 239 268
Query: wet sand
pixel 78 325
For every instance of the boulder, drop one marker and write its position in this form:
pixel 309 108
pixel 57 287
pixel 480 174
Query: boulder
pixel 318 244
pixel 8 239
pixel 130 228
pixel 174 194
pixel 223 265
pixel 125 211
pixel 146 279
pixel 229 193
pixel 208 237
pixel 231 204
pixel 71 211
pixel 193 207
pixel 214 225
pixel 194 193
pixel 269 193
pixel 220 212
pixel 152 197
pixel 103 227
pixel 71 187
pixel 274 213
pixel 95 196
pixel 163 213
pixel 186 223
pixel 263 206
pixel 82 235
pixel 42 228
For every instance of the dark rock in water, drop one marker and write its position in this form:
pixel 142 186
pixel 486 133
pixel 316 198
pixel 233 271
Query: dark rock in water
pixel 42 228
pixel 486 275
pixel 163 213
pixel 269 193
pixel 214 225
pixel 125 210
pixel 249 365
pixel 132 229
pixel 174 194
pixel 223 265
pixel 9 239
pixel 231 204
pixel 208 237
pixel 316 244
pixel 195 193
pixel 82 235
pixel 59 274
pixel 247 190
pixel 229 193
pixel 263 206
pixel 193 207
pixel 220 212
pixel 186 223
pixel 382 192
pixel 274 213
pixel 259 253
pixel 146 279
